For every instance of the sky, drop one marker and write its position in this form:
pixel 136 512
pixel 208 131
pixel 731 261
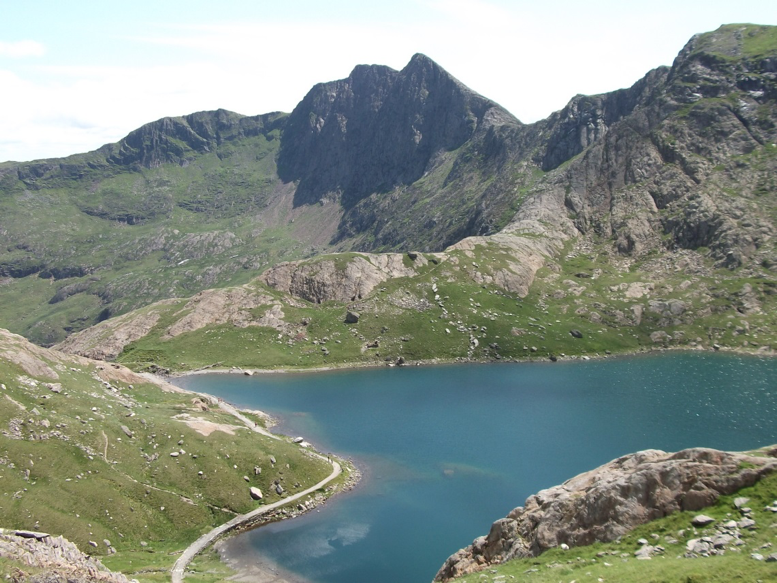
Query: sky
pixel 78 74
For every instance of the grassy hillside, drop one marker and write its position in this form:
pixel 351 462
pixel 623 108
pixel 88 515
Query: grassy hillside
pixel 85 451
pixel 585 304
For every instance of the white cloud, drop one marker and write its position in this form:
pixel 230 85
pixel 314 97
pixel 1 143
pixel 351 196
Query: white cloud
pixel 22 48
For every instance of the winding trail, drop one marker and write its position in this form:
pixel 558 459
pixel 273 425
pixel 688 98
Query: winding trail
pixel 209 538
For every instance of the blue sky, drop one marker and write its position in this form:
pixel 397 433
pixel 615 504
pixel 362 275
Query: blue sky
pixel 75 75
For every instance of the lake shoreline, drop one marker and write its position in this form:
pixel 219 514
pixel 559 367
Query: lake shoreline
pixel 442 362
pixel 565 388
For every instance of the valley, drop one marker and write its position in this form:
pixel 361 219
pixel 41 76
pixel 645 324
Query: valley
pixel 393 218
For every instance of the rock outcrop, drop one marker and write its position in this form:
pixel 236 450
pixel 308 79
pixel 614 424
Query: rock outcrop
pixel 344 279
pixel 605 503
pixel 50 559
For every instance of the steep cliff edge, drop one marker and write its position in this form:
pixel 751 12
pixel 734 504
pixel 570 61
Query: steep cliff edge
pixel 605 503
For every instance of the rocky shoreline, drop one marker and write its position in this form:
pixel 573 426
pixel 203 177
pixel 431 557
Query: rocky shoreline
pixel 607 502
pixel 258 572
pixel 771 353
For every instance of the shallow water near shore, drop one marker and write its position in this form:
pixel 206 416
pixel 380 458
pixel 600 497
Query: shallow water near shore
pixel 446 450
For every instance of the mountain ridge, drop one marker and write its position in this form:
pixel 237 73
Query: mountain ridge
pixel 389 160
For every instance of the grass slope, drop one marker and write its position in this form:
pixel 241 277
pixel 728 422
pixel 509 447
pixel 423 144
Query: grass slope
pixel 67 465
pixel 613 304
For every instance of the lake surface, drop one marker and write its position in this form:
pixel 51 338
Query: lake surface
pixel 447 450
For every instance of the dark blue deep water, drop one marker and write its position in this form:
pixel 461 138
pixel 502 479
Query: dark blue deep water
pixel 447 450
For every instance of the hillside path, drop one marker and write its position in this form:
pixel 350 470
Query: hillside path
pixel 210 537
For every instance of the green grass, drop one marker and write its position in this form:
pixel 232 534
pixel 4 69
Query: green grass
pixel 467 320
pixel 89 481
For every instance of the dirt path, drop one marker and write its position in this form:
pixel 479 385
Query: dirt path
pixel 209 538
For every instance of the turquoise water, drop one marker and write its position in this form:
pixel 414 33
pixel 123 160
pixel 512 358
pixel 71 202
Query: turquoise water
pixel 447 450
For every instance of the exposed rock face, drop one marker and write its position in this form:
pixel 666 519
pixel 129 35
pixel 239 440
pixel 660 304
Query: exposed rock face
pixel 322 280
pixel 174 139
pixel 106 340
pixel 377 129
pixel 605 503
pixel 389 160
pixel 59 559
pixel 665 174
pixel 219 306
pixel 33 360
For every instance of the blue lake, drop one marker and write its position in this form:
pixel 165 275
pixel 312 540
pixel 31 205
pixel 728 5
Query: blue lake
pixel 447 450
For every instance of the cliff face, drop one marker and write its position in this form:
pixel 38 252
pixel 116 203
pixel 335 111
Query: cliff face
pixel 691 165
pixel 378 129
pixel 605 503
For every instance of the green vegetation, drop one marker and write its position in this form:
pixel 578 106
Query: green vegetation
pixel 622 306
pixel 615 561
pixel 92 238
pixel 88 455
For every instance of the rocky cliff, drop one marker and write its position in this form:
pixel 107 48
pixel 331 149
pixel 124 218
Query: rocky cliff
pixel 42 558
pixel 605 503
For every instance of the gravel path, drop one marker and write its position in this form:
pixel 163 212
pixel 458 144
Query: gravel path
pixel 209 538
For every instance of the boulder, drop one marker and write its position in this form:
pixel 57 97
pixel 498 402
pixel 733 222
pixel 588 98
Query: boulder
pixel 702 520
pixel 352 317
pixel 255 492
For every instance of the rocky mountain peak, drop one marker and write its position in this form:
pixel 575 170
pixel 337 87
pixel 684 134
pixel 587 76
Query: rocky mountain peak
pixel 376 129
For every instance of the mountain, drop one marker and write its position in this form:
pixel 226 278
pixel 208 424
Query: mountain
pixel 675 170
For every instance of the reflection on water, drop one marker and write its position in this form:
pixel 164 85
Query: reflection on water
pixel 447 450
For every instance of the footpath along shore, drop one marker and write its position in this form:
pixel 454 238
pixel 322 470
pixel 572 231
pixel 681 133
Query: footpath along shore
pixel 179 569
pixel 209 538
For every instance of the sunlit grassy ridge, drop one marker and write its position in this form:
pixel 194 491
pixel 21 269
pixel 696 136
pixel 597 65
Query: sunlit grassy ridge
pixel 582 305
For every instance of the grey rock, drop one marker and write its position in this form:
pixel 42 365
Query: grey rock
pixel 605 503
pixel 721 540
pixel 644 552
pixel 746 524
pixel 702 520
pixel 255 493
pixel 352 317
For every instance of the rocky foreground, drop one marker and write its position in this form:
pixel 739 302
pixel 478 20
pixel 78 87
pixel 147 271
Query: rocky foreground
pixel 605 503
pixel 45 558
